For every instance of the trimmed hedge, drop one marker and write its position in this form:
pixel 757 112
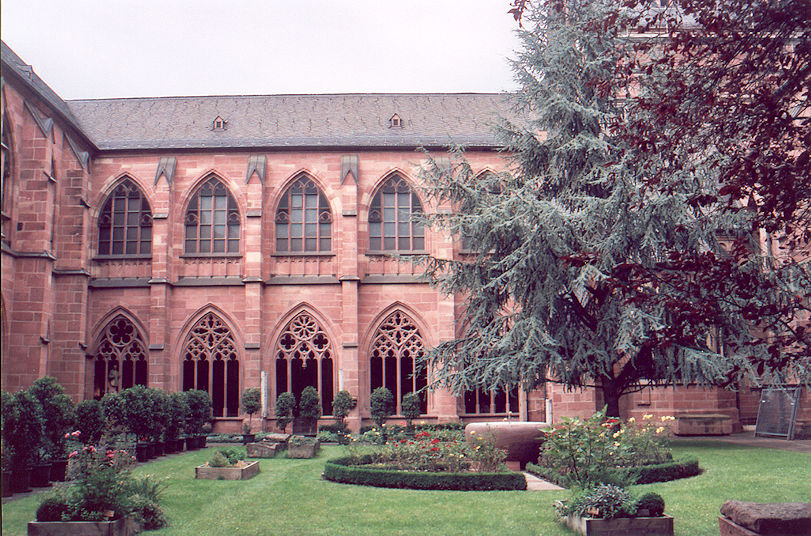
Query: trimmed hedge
pixel 350 470
pixel 646 474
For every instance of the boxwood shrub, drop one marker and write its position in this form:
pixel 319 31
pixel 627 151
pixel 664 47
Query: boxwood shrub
pixel 351 470
pixel 646 474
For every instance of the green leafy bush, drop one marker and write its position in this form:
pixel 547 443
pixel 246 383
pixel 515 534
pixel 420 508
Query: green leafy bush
pixel 148 514
pixel 341 406
pixel 309 406
pixel 251 403
pixel 302 440
pixel 52 508
pixel 199 411
pixel 100 482
pixel 58 412
pixel 355 470
pixel 653 503
pixel 285 404
pixel 218 460
pixel 159 418
pixel 23 427
pixel 328 437
pixel 112 406
pixel 137 413
pixel 648 474
pixel 89 421
pixel 382 405
pixel 410 408
pixel 178 412
pixel 226 457
pixel 331 428
pixel 483 454
pixel 604 501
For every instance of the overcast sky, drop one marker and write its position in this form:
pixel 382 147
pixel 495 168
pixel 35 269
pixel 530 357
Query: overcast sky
pixel 127 48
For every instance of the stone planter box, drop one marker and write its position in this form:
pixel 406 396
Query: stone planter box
pixel 117 527
pixel 302 451
pixel 205 472
pixel 522 440
pixel 263 450
pixel 627 526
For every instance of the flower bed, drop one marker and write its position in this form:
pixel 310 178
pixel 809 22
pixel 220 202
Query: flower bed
pixel 645 474
pixel 357 470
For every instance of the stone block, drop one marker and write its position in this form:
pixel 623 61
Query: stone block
pixel 703 424
pixel 772 519
pixel 262 450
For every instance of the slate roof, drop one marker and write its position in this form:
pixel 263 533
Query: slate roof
pixel 292 121
pixel 353 120
pixel 16 67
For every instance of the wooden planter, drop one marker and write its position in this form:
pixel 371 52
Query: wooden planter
pixel 117 527
pixel 302 451
pixel 205 472
pixel 627 526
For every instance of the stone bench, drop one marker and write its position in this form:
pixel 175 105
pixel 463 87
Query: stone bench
pixel 764 519
pixel 703 424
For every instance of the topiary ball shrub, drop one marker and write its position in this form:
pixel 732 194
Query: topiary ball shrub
pixel 90 421
pixel 51 509
pixel 653 503
pixel 381 404
pixel 148 513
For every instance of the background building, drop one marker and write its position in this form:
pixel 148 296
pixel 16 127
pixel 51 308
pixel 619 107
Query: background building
pixel 245 241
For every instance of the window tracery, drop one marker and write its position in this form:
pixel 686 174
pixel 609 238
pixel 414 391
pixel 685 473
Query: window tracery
pixel 392 226
pixel 304 358
pixel 121 359
pixel 212 220
pixel 396 347
pixel 211 364
pixel 125 222
pixel 303 219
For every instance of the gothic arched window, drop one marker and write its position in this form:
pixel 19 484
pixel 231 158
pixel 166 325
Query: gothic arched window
pixel 120 358
pixel 125 222
pixel 303 219
pixel 391 218
pixel 304 358
pixel 396 346
pixel 482 402
pixel 212 220
pixel 211 364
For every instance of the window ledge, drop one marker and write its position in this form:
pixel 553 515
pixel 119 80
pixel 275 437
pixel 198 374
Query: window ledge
pixel 123 257
pixel 211 256
pixel 396 252
pixel 303 254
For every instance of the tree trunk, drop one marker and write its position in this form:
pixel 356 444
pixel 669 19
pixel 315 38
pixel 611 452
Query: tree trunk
pixel 611 396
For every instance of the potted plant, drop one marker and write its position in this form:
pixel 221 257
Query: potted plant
pixel 411 410
pixel 342 404
pixel 285 404
pixel 251 403
pixel 381 403
pixel 227 464
pixel 137 417
pixel 309 409
pixel 23 431
pixel 302 447
pixel 199 416
pixel 89 421
pixel 112 406
pixel 178 409
pixel 159 408
pixel 8 410
pixel 59 417
pixel 611 509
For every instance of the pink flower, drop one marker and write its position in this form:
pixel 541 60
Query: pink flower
pixel 434 449
pixel 72 454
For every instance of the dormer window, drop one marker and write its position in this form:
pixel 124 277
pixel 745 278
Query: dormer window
pixel 395 122
pixel 219 123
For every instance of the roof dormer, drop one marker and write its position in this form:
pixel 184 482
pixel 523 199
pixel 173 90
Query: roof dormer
pixel 395 121
pixel 219 124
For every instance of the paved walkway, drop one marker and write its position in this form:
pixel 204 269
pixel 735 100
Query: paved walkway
pixel 748 438
pixel 536 484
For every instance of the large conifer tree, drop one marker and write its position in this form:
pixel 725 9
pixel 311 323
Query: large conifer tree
pixel 572 279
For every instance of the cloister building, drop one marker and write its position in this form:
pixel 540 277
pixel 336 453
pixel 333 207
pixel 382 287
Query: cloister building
pixel 227 242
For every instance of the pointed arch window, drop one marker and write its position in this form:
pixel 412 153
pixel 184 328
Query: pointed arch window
pixel 211 364
pixel 121 359
pixel 125 222
pixel 392 226
pixel 212 221
pixel 303 219
pixel 304 358
pixel 396 347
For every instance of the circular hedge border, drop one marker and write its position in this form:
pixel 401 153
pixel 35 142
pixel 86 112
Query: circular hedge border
pixel 645 474
pixel 351 470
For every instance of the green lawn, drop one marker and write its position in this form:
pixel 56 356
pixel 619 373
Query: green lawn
pixel 289 497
